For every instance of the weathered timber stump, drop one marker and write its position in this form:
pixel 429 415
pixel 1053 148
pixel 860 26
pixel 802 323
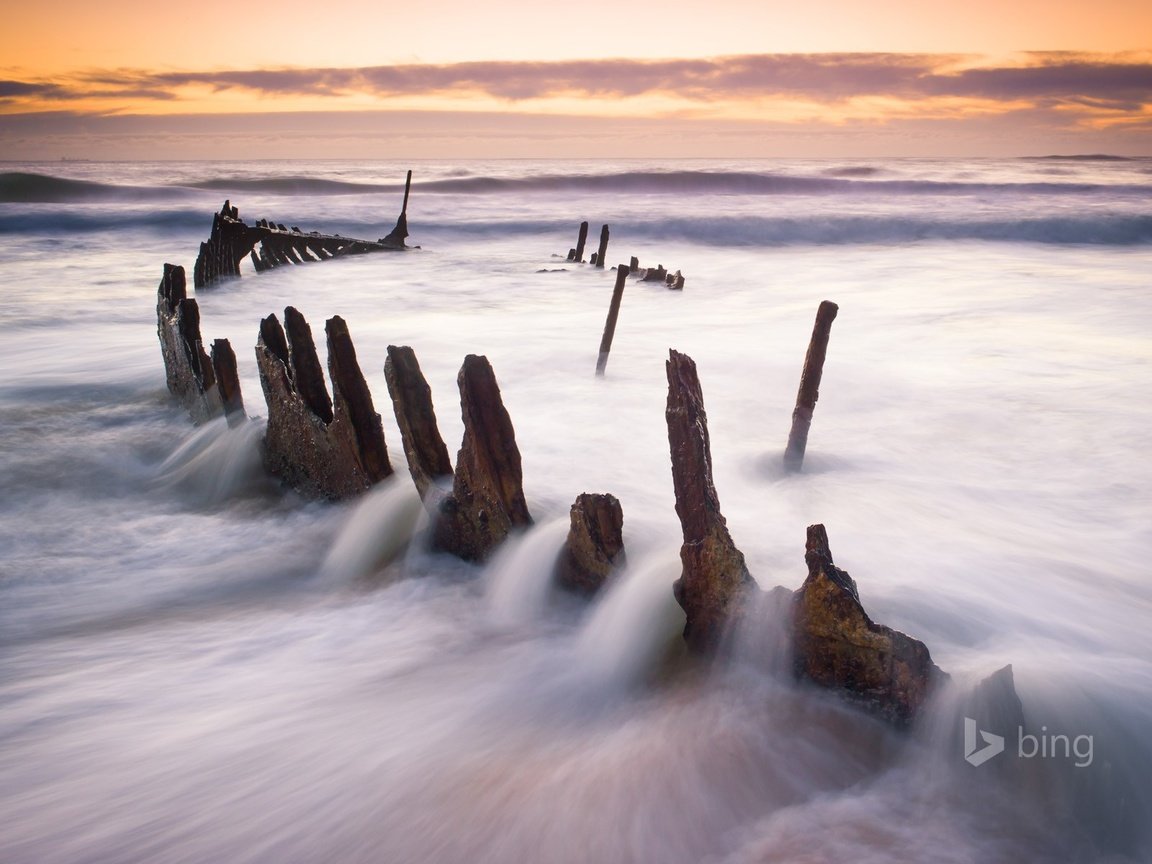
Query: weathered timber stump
pixel 228 381
pixel 715 583
pixel 809 390
pixel 595 544
pixel 428 459
pixel 602 250
pixel 654 274
pixel 581 239
pixel 352 402
pixel 188 369
pixel 610 322
pixel 836 645
pixel 319 450
pixel 487 500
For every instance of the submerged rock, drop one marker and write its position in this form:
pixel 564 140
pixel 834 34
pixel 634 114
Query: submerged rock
pixel 595 544
pixel 836 645
pixel 321 447
pixel 994 704
pixel 190 374
pixel 715 583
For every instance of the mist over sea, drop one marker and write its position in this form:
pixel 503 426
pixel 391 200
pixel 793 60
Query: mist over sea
pixel 198 666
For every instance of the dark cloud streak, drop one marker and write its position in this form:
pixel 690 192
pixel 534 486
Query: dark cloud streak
pixel 1062 78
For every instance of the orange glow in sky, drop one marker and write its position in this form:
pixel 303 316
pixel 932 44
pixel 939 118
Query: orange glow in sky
pixel 1066 67
pixel 54 36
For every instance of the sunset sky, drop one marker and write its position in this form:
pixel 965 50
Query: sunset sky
pixel 128 79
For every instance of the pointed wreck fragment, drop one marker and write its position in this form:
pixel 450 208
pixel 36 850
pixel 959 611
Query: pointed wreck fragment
pixel 487 500
pixel 595 544
pixel 714 585
pixel 228 244
pixel 424 449
pixel 228 381
pixel 320 446
pixel 189 371
pixel 354 415
pixel 836 645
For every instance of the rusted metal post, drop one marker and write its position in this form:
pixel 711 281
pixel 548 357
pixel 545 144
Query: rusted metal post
pixel 228 381
pixel 809 386
pixel 580 241
pixel 613 314
pixel 602 252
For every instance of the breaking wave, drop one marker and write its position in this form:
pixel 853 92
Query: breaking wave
pixel 820 229
pixel 293 186
pixel 847 181
pixel 25 188
pixel 59 220
pixel 851 180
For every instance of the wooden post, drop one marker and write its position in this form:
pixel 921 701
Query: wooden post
pixel 407 189
pixel 715 587
pixel 227 379
pixel 580 241
pixel 602 252
pixel 809 386
pixel 397 235
pixel 412 400
pixel 351 399
pixel 613 314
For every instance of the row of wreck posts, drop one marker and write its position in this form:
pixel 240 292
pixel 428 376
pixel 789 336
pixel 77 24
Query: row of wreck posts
pixel 674 281
pixel 810 377
pixel 332 446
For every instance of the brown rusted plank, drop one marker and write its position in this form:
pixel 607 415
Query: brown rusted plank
pixel 809 390
pixel 610 323
pixel 424 448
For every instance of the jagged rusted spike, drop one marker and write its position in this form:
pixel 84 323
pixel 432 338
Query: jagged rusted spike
pixel 424 449
pixel 228 381
pixel 353 400
pixel 715 584
pixel 836 645
pixel 487 500
pixel 188 370
pixel 306 369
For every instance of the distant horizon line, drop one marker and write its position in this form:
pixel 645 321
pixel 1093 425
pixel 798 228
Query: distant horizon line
pixel 1077 157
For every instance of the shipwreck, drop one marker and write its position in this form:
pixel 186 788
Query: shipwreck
pixel 272 244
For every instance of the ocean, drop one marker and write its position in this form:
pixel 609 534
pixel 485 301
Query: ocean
pixel 197 665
